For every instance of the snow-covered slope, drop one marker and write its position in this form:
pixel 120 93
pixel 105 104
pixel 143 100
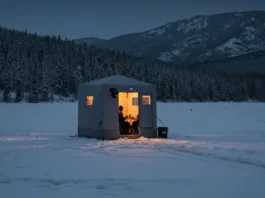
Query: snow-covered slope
pixel 214 150
pixel 197 39
pixel 250 62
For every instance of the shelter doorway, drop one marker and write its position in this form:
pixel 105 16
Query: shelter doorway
pixel 129 113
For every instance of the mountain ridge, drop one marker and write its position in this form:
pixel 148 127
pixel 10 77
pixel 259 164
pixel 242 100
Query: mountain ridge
pixel 199 38
pixel 89 40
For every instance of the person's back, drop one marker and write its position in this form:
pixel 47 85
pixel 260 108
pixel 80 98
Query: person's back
pixel 121 118
pixel 124 126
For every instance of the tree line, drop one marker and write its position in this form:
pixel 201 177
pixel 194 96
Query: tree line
pixel 36 68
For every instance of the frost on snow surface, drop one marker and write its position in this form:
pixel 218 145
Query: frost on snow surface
pixel 213 150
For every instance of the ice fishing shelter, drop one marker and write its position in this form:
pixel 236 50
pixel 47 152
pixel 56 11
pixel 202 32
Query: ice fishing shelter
pixel 98 103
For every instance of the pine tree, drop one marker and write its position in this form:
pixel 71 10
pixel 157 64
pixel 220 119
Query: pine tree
pixel 19 84
pixel 7 87
pixel 18 90
pixel 116 70
pixel 165 91
pixel 44 86
pixel 58 78
pixel 34 92
pixel 77 79
pixel 2 62
pixel 173 91
pixel 7 80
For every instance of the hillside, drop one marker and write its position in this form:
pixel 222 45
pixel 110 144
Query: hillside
pixel 246 63
pixel 200 38
pixel 37 68
pixel 89 40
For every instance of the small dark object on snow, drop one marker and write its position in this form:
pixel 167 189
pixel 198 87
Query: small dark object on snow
pixel 162 132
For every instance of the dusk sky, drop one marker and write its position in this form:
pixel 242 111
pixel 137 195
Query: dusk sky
pixel 108 18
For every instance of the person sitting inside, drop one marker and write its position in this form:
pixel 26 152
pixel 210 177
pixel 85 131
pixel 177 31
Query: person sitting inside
pixel 135 124
pixel 122 120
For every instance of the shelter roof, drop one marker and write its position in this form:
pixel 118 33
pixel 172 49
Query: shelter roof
pixel 118 80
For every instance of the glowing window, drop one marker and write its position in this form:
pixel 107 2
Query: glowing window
pixel 135 101
pixel 89 100
pixel 146 100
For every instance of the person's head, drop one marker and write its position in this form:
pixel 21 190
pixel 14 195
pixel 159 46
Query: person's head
pixel 120 108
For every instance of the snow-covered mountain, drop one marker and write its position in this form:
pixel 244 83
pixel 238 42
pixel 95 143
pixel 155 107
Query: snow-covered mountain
pixel 246 63
pixel 199 38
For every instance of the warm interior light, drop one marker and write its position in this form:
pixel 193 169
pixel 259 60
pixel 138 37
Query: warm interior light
pixel 146 100
pixel 129 101
pixel 89 100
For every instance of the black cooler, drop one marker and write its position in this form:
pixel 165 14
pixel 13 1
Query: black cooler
pixel 162 132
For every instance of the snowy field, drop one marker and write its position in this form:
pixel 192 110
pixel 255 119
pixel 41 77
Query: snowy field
pixel 214 150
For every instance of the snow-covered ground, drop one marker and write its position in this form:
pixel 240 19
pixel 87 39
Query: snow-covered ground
pixel 213 150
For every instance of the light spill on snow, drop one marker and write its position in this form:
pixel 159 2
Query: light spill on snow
pixel 222 151
pixel 212 147
pixel 28 139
